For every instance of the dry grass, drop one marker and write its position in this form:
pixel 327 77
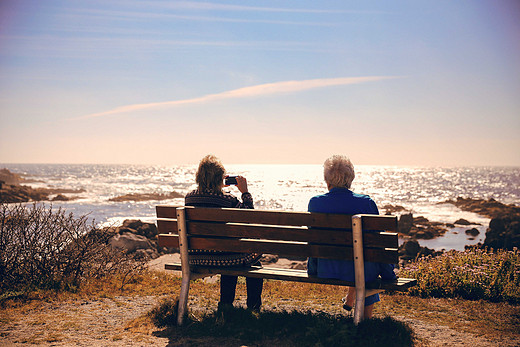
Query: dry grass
pixel 493 321
pixel 476 317
pixel 480 318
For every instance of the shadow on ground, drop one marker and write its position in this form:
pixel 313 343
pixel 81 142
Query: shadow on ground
pixel 231 326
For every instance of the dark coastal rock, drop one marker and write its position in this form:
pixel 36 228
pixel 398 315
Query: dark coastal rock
pixel 130 242
pixel 462 221
pixel 60 197
pixel 421 220
pixel 503 232
pixel 137 238
pixel 138 227
pixel 419 227
pixel 405 223
pixel 146 197
pixel 472 232
pixel 427 232
pixel 489 208
pixel 411 250
pixel 504 227
pixel 391 209
pixel 12 192
pixel 9 178
pixel 269 258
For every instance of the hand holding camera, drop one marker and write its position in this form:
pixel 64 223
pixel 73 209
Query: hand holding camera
pixel 238 181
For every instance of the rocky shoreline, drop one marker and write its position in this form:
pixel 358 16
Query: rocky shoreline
pixel 503 230
pixel 12 191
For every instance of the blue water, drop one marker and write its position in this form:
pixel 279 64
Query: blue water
pixel 421 190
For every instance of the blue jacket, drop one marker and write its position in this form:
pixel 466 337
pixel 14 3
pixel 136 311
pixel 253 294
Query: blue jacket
pixel 342 200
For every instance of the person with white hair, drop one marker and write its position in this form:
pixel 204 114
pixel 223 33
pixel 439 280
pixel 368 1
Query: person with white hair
pixel 338 174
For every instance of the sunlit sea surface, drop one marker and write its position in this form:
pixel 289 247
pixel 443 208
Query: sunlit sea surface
pixel 421 190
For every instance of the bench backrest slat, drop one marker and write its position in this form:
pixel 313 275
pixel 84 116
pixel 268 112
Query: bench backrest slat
pixel 301 234
pixel 282 233
pixel 318 220
pixel 285 249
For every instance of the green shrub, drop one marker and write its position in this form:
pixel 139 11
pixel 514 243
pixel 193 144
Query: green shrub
pixel 473 274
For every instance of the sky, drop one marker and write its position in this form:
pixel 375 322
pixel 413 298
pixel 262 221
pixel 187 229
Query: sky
pixel 422 83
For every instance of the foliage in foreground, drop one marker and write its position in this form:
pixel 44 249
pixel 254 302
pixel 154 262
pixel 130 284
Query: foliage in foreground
pixel 42 248
pixel 285 328
pixel 473 274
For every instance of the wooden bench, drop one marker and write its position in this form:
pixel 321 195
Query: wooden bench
pixel 302 234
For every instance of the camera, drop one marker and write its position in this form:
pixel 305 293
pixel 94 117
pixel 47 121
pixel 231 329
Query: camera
pixel 230 180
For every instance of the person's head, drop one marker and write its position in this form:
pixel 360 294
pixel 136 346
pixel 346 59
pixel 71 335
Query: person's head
pixel 338 172
pixel 210 174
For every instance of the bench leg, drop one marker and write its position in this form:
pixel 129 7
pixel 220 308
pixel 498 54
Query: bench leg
pixel 359 309
pixel 183 300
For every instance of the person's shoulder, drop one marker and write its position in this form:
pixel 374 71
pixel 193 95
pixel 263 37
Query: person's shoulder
pixel 361 196
pixel 319 197
pixel 366 200
pixel 319 203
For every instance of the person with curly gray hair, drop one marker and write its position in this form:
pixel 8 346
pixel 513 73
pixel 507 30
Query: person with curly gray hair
pixel 338 173
pixel 210 181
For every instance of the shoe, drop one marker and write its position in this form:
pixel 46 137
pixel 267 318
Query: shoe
pixel 345 306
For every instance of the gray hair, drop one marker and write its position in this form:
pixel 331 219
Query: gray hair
pixel 338 171
pixel 210 174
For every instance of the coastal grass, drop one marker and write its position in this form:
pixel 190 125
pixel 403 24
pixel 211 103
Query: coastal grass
pixel 474 274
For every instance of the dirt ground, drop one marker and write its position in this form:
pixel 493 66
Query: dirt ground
pixel 105 322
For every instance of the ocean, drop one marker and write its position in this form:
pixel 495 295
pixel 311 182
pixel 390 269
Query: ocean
pixel 420 190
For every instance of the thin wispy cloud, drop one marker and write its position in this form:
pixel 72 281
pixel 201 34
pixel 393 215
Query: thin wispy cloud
pixel 208 6
pixel 246 92
pixel 147 14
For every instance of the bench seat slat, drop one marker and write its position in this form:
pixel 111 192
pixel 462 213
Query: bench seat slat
pixel 273 273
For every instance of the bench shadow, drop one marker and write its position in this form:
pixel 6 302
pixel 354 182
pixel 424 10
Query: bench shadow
pixel 238 327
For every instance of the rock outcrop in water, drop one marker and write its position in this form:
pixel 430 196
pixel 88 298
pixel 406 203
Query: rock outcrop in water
pixel 9 178
pixel 12 192
pixel 503 231
pixel 146 197
pixel 504 227
pixel 414 228
pixel 489 208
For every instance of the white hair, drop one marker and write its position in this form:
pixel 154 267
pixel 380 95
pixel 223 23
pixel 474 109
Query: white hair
pixel 338 171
